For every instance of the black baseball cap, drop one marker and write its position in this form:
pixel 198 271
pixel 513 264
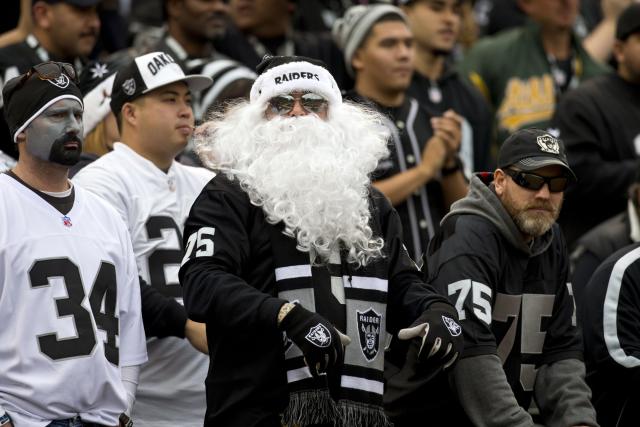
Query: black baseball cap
pixel 148 72
pixel 77 3
pixel 531 149
pixel 628 22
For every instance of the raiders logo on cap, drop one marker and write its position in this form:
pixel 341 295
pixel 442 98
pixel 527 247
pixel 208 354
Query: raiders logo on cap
pixel 548 144
pixel 129 86
pixel 369 332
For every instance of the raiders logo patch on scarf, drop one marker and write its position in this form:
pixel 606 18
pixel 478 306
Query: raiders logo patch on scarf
pixel 369 330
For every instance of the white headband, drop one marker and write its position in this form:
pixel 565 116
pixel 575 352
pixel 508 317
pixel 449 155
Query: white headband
pixel 292 76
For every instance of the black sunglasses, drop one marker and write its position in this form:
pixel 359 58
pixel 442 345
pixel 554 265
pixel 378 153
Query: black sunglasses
pixel 311 103
pixel 50 70
pixel 532 181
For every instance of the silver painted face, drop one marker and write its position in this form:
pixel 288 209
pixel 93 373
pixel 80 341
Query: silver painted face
pixel 56 134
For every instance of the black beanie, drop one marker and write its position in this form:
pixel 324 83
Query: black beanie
pixel 23 103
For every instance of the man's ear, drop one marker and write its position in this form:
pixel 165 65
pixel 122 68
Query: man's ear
pixel 499 181
pixel 129 113
pixel 357 62
pixel 21 137
pixel 42 14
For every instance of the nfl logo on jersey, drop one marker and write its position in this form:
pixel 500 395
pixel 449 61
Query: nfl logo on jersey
pixel 66 221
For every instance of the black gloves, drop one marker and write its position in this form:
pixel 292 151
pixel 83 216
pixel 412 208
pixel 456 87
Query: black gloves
pixel 320 343
pixel 440 335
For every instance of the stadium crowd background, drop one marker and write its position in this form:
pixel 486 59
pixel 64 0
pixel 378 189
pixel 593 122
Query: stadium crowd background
pixel 489 67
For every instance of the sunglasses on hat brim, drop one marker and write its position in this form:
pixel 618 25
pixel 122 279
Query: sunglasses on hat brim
pixel 535 182
pixel 50 70
pixel 310 102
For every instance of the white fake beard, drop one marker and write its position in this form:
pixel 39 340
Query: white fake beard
pixel 309 173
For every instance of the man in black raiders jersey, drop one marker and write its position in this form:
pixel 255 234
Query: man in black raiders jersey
pixel 423 174
pixel 296 263
pixel 502 260
pixel 63 30
pixel 436 27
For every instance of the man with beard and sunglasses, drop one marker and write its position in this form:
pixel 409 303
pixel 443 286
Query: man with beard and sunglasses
pixel 72 331
pixel 502 260
pixel 296 263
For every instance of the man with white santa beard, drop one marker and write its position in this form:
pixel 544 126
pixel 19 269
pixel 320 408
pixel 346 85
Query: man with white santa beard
pixel 296 263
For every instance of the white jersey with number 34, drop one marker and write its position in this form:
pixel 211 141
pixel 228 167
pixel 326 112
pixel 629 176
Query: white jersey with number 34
pixel 69 308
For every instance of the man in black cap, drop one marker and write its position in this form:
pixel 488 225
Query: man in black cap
pixel 296 263
pixel 63 30
pixel 600 123
pixel 502 261
pixel 70 299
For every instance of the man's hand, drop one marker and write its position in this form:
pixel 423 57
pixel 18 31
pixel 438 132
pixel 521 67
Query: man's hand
pixel 448 127
pixel 196 333
pixel 439 334
pixel 443 146
pixel 320 342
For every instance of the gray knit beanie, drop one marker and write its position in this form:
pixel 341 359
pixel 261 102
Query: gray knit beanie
pixel 350 30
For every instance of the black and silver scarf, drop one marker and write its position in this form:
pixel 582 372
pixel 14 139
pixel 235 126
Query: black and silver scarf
pixel 355 302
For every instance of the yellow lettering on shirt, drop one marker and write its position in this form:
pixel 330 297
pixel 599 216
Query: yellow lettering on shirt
pixel 526 102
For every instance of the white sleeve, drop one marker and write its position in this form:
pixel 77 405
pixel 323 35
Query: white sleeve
pixel 130 376
pixel 133 343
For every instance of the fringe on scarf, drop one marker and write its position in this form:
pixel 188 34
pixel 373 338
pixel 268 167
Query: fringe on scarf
pixel 310 407
pixel 357 414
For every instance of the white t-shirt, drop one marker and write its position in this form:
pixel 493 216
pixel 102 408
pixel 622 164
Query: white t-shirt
pixel 155 206
pixel 69 308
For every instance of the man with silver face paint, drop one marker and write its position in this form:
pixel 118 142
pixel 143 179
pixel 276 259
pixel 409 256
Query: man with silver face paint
pixel 69 292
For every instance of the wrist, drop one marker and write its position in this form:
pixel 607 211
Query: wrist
pixel 284 310
pixel 426 172
pixel 443 307
pixel 451 166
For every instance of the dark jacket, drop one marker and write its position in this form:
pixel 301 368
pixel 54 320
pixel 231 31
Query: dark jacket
pixel 594 247
pixel 599 123
pixel 229 283
pixel 517 318
pixel 610 319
